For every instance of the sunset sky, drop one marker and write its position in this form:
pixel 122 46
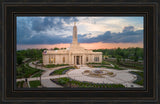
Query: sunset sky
pixel 93 32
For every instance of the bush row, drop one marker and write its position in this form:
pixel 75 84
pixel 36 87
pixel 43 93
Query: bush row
pixel 53 65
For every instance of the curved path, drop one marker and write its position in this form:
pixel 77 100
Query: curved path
pixel 45 78
pixel 122 76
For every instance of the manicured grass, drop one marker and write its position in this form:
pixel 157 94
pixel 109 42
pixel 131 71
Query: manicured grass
pixel 103 63
pixel 140 78
pixel 132 65
pixel 34 84
pixel 128 64
pixel 61 71
pixel 141 82
pixel 102 66
pixel 67 82
pixel 53 65
pixel 20 84
pixel 117 67
pixel 93 63
pixel 38 74
pixel 25 71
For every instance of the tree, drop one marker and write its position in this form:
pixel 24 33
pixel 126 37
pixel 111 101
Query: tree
pixel 56 48
pixel 136 57
pixel 19 59
pixel 118 58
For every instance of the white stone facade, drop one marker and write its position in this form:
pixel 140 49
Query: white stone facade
pixel 74 55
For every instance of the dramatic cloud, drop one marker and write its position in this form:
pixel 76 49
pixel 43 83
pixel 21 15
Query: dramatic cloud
pixel 56 30
pixel 127 36
pixel 128 28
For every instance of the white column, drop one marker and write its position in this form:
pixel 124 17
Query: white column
pixel 84 59
pixel 81 60
pixel 69 58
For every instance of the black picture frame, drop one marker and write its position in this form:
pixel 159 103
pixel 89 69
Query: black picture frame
pixel 147 95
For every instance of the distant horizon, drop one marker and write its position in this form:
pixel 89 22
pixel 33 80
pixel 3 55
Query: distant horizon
pixel 90 46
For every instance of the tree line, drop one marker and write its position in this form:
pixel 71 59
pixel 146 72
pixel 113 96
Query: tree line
pixel 125 53
pixel 34 54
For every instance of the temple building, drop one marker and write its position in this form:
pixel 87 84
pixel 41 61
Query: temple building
pixel 74 55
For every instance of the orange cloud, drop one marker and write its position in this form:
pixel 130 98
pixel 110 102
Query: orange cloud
pixel 101 45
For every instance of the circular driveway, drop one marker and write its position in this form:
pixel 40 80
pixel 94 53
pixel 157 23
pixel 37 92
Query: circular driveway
pixel 121 77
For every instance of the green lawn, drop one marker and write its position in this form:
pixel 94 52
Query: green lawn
pixel 25 71
pixel 38 74
pixel 34 84
pixel 20 84
pixel 140 78
pixel 66 82
pixel 132 65
pixel 60 71
pixel 128 64
pixel 104 65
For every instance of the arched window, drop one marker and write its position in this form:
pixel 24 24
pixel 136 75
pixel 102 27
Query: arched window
pixel 51 60
pixel 63 59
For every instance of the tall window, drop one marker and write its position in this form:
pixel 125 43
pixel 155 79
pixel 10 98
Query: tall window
pixel 63 59
pixel 87 59
pixel 51 60
pixel 96 59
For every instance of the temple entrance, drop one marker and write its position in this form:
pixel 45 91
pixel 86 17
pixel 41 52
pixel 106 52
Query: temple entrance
pixel 77 60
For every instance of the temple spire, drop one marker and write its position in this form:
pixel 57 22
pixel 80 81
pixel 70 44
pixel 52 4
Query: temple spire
pixel 74 23
pixel 74 41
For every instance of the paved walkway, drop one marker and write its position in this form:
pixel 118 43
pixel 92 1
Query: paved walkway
pixel 122 76
pixel 45 79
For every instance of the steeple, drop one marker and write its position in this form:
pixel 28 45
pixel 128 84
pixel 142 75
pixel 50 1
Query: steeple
pixel 74 41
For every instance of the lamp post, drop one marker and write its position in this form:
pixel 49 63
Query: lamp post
pixel 26 80
pixel 70 82
pixel 40 76
pixel 40 81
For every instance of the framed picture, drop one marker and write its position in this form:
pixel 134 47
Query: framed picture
pixel 80 52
